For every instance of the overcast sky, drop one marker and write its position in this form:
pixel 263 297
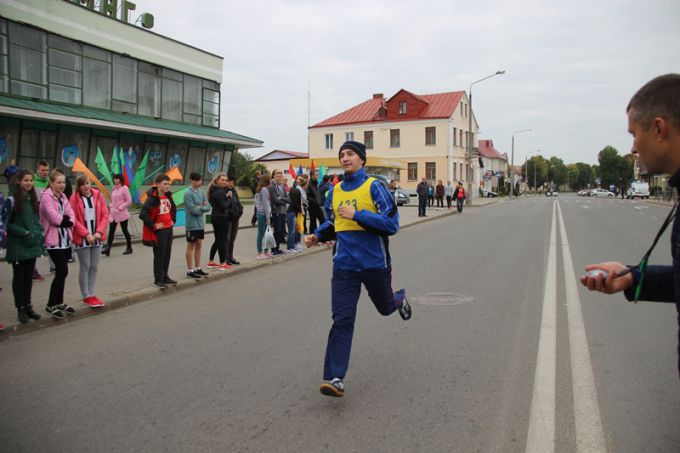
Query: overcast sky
pixel 572 66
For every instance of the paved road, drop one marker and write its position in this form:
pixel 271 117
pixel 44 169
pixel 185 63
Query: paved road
pixel 235 365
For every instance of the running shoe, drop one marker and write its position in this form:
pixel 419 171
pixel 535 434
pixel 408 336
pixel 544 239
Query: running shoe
pixel 54 311
pixel 170 281
pixel 66 308
pixel 224 267
pixel 200 272
pixel 212 265
pixel 194 275
pixel 403 306
pixel 334 387
pixel 93 302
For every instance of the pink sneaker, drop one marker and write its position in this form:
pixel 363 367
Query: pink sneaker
pixel 93 302
pixel 223 267
pixel 268 254
pixel 261 256
pixel 212 265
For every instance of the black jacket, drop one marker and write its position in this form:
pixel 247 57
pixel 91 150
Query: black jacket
pixel 217 197
pixel 313 196
pixel 295 200
pixel 421 189
pixel 234 206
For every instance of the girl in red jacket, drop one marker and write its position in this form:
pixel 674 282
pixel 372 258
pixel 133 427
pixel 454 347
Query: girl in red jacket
pixel 89 227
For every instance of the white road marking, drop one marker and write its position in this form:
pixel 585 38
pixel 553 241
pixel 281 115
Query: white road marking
pixel 641 207
pixel 541 435
pixel 588 421
pixel 584 206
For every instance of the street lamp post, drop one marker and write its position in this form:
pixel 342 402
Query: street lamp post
pixel 512 162
pixel 468 154
pixel 526 167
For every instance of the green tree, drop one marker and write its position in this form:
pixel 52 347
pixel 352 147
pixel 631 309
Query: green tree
pixel 585 178
pixel 243 169
pixel 573 176
pixel 535 170
pixel 614 168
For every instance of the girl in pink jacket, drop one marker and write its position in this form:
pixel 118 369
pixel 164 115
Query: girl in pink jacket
pixel 118 213
pixel 91 217
pixel 56 219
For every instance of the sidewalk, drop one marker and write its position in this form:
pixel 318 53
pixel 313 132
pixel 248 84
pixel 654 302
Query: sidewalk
pixel 124 280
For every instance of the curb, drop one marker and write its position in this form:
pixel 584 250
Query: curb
pixel 144 294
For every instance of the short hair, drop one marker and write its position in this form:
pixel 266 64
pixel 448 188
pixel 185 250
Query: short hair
pixel 42 163
pixel 194 176
pixel 118 176
pixel 658 97
pixel 161 178
pixel 326 178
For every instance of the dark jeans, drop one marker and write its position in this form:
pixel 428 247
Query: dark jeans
pixel 315 214
pixel 112 232
pixel 346 289
pixel 232 231
pixel 161 254
pixel 448 201
pixel 430 200
pixel 440 202
pixel 60 259
pixel 22 282
pixel 459 204
pixel 279 221
pixel 422 205
pixel 220 245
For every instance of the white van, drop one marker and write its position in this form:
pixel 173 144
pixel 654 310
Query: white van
pixel 638 189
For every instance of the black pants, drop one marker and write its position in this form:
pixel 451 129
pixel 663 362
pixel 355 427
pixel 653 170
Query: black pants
pixel 230 237
pixel 279 221
pixel 22 282
pixel 315 214
pixel 161 254
pixel 112 232
pixel 220 245
pixel 430 200
pixel 440 202
pixel 60 258
pixel 459 204
pixel 422 205
pixel 448 201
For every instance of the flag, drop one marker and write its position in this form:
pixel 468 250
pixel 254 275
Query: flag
pixel 174 174
pixel 335 179
pixel 311 169
pixel 101 166
pixel 322 172
pixel 79 166
pixel 178 197
pixel 291 171
pixel 138 179
pixel 127 174
pixel 300 170
pixel 115 160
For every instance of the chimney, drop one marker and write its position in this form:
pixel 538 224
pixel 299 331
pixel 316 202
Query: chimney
pixel 378 96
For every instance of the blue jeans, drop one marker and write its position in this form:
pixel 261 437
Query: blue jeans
pixel 292 234
pixel 346 289
pixel 261 227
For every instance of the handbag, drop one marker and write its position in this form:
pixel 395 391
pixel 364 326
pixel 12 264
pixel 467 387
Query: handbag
pixel 268 241
pixel 299 223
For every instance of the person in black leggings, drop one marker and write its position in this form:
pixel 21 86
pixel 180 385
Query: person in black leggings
pixel 217 197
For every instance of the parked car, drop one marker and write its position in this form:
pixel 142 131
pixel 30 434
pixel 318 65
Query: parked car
pixel 400 195
pixel 487 193
pixel 583 193
pixel 601 193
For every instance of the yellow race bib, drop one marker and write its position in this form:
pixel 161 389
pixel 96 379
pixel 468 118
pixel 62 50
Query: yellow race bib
pixel 360 198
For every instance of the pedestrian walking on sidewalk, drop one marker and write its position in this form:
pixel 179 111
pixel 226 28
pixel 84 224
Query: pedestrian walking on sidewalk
pixel 459 195
pixel 24 242
pixel 448 191
pixel 217 197
pixel 89 227
pixel 361 216
pixel 263 208
pixel 56 219
pixel 118 214
pixel 159 214
pixel 195 205
pixel 422 190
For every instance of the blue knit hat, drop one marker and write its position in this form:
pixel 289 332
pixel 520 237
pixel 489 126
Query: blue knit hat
pixel 357 147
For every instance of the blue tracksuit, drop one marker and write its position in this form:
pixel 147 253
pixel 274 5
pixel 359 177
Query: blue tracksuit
pixel 360 257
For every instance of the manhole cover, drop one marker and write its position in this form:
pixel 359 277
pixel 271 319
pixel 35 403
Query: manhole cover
pixel 441 299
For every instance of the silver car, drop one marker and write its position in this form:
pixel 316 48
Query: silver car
pixel 601 193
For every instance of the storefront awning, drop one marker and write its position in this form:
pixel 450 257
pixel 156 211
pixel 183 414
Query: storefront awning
pixel 105 119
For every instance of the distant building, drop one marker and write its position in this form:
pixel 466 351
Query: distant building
pixel 407 136
pixel 281 160
pixel 495 165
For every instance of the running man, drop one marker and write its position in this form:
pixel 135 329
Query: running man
pixel 361 214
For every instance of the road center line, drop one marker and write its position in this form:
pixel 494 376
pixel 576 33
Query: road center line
pixel 541 435
pixel 588 421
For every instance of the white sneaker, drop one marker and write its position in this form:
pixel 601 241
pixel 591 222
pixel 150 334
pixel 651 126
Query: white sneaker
pixel 261 256
pixel 292 251
pixel 299 248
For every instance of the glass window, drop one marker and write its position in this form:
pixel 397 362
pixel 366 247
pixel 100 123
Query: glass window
pixel 124 79
pixel 349 136
pixel 430 136
pixel 57 42
pixel 125 107
pixel 213 163
pixel 36 145
pixel 394 138
pixel 97 54
pixel 27 65
pixel 192 96
pixel 454 138
pixel 65 94
pixel 27 37
pixel 211 108
pixel 195 161
pixel 431 171
pixel 211 120
pixel 402 108
pixel 28 89
pixel 329 141
pixel 194 119
pixel 173 75
pixel 96 83
pixel 227 161
pixel 368 139
pixel 65 77
pixel 64 60
pixel 211 85
pixel 412 171
pixel 171 96
pixel 149 95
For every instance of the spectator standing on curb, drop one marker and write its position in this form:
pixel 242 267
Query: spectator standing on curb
pixel 40 181
pixel 294 209
pixel 314 202
pixel 448 191
pixel 430 195
pixel 195 205
pixel 24 242
pixel 323 189
pixel 439 193
pixel 217 197
pixel 256 181
pixel 264 213
pixel 234 213
pixel 421 190
pixel 280 202
pixel 159 214
pixel 56 220
pixel 89 227
pixel 10 170
pixel 459 195
pixel 118 214
pixel 361 215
